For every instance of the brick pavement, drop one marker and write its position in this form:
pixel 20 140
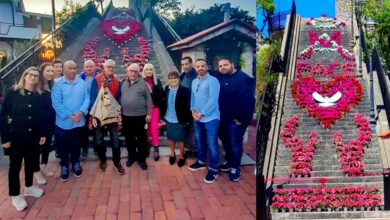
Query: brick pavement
pixel 162 192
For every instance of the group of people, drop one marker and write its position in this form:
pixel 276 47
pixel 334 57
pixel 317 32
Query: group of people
pixel 54 100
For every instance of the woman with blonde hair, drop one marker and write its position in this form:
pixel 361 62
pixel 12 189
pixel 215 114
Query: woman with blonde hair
pixel 157 93
pixel 22 128
pixel 46 76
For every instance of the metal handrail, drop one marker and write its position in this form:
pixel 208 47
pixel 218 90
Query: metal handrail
pixel 172 32
pixel 288 45
pixel 384 87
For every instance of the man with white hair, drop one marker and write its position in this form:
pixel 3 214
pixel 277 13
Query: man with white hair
pixel 88 75
pixel 136 104
pixel 112 82
pixel 70 99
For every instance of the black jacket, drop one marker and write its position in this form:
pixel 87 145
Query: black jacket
pixel 22 119
pixel 182 105
pixel 236 97
pixel 49 112
pixel 157 94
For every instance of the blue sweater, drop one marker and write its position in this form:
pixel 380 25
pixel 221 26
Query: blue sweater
pixel 236 97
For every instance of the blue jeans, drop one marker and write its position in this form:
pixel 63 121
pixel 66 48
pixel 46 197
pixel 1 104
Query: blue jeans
pixel 68 143
pixel 232 136
pixel 206 134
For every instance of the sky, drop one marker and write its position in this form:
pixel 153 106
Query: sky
pixel 44 6
pixel 306 8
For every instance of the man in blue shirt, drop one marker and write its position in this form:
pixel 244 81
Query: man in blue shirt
pixel 70 100
pixel 205 111
pixel 237 102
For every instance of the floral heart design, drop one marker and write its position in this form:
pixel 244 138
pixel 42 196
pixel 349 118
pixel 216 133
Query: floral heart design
pixel 120 32
pixel 304 87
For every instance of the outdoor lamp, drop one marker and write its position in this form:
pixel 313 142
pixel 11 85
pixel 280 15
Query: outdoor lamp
pixel 370 27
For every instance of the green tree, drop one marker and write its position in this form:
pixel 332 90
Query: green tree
pixel 166 8
pixel 68 10
pixel 379 11
pixel 268 8
pixel 192 21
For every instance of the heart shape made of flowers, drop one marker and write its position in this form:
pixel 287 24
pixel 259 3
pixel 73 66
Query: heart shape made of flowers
pixel 303 88
pixel 120 32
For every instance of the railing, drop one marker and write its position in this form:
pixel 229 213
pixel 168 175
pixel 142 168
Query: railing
pixel 278 20
pixel 382 78
pixel 266 110
pixel 288 47
pixel 31 57
pixel 167 34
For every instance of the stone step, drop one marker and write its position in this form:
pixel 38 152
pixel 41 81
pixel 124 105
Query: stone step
pixel 340 180
pixel 333 215
pixel 283 151
pixel 330 167
pixel 331 160
pixel 332 157
pixel 321 173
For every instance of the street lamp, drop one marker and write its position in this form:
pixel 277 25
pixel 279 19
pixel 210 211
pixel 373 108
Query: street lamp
pixel 359 9
pixel 370 29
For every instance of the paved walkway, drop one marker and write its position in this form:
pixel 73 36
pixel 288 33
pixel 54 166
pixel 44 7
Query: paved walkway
pixel 161 192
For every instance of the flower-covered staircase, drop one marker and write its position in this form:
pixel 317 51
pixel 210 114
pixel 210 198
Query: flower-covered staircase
pixel 326 145
pixel 97 32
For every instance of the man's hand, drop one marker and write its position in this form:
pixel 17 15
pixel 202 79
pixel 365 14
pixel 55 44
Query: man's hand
pixel 94 122
pixel 74 119
pixel 79 116
pixel 7 145
pixel 196 116
pixel 42 140
pixel 148 117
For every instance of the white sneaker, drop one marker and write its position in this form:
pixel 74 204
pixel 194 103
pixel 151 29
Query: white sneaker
pixel 40 179
pixel 33 191
pixel 19 202
pixel 45 170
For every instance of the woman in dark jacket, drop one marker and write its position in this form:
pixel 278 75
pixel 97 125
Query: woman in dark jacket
pixel 176 112
pixel 22 131
pixel 46 74
pixel 157 93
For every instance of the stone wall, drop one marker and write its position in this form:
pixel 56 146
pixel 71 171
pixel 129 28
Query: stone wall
pixel 343 10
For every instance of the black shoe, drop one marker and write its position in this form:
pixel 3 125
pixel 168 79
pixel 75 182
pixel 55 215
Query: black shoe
pixel 64 173
pixel 225 167
pixel 77 170
pixel 103 165
pixel 181 162
pixel 119 168
pixel 156 154
pixel 129 162
pixel 172 159
pixel 211 176
pixel 143 165
pixel 197 166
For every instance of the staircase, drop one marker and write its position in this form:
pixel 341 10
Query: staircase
pixel 75 50
pixel 326 163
